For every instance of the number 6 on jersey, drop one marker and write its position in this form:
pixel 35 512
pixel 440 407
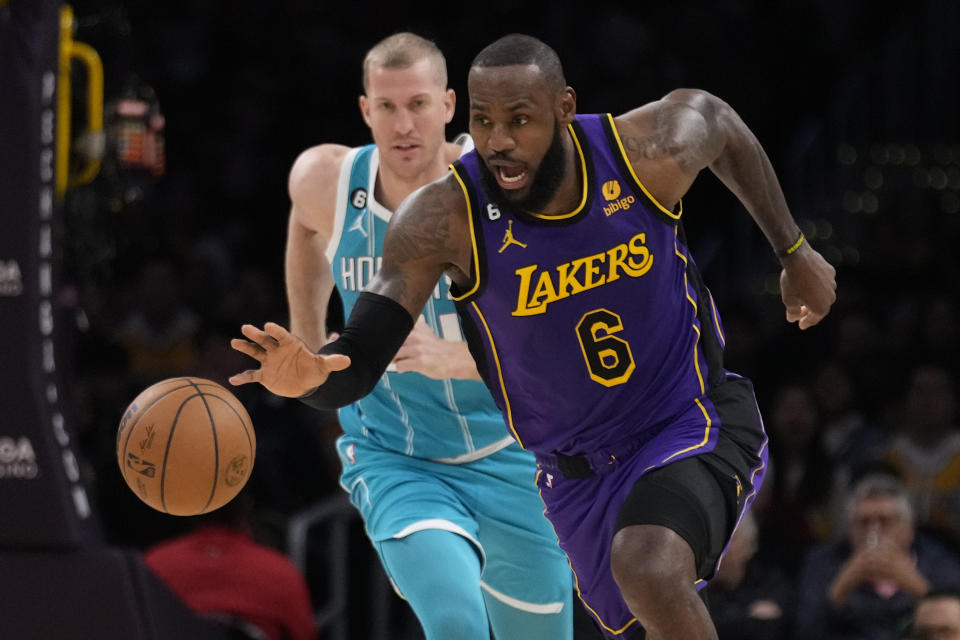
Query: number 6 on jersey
pixel 609 359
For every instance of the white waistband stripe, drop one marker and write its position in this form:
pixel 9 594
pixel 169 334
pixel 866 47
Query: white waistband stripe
pixel 479 453
pixel 529 607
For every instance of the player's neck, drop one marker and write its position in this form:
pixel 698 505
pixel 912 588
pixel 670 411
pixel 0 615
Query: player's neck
pixel 392 187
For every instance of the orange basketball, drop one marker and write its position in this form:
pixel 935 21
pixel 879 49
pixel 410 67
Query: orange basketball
pixel 186 446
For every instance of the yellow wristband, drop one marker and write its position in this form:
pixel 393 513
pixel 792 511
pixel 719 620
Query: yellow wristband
pixel 792 249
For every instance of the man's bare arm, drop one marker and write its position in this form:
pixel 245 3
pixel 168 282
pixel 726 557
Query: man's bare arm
pixel 309 283
pixel 669 141
pixel 435 237
pixel 429 235
pixel 307 274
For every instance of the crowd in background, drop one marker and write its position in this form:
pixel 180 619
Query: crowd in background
pixel 856 107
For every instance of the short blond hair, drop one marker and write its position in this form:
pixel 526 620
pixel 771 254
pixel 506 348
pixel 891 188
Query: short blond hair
pixel 400 51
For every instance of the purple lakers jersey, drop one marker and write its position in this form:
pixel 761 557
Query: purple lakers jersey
pixel 592 327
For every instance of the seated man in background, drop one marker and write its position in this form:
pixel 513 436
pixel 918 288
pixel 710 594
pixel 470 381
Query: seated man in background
pixel 926 450
pixel 749 600
pixel 867 585
pixel 937 616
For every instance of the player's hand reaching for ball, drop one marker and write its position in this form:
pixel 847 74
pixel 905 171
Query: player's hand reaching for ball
pixel 287 366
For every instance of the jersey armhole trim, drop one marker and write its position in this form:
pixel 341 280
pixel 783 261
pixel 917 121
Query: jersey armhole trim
pixel 672 216
pixel 475 253
pixel 343 196
pixel 496 361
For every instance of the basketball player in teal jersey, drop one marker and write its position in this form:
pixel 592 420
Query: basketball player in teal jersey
pixel 447 496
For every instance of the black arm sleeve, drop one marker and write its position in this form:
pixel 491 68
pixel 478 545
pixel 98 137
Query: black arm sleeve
pixel 375 330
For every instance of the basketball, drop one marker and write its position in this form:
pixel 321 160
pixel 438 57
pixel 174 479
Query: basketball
pixel 186 446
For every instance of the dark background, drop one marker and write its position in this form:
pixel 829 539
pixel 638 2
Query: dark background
pixel 246 85
pixel 856 103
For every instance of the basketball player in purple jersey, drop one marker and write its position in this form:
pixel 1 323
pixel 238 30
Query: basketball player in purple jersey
pixel 589 322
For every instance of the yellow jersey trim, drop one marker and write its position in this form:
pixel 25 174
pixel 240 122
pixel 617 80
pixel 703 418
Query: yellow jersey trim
pixel 716 322
pixel 473 239
pixel 626 159
pixel 503 386
pixel 696 311
pixel 576 584
pixel 583 196
pixel 706 438
pixel 757 470
pixel 696 355
pixel 576 579
pixel 706 434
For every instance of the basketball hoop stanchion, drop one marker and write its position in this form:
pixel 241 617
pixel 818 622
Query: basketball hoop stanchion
pixel 43 500
pixel 93 136
pixel 58 579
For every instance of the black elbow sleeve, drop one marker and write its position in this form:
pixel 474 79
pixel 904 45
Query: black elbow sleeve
pixel 375 330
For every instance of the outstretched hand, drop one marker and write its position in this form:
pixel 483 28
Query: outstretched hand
pixel 808 287
pixel 287 366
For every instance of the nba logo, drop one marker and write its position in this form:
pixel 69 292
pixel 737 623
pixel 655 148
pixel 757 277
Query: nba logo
pixel 550 480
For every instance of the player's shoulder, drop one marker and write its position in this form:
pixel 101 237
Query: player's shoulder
pixel 313 176
pixel 319 161
pixel 444 196
pixel 460 145
pixel 684 103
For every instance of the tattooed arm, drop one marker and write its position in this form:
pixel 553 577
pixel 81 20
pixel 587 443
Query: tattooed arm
pixel 669 141
pixel 427 236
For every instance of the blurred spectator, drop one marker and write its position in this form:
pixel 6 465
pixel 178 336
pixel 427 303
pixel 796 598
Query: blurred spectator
pixel 865 587
pixel 926 450
pixel 159 333
pixel 937 616
pixel 749 599
pixel 219 571
pixel 795 502
pixel 849 437
pixel 869 355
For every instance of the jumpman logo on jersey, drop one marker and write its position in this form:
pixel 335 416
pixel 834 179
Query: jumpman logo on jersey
pixel 358 224
pixel 508 239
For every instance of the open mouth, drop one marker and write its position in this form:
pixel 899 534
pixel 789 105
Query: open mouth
pixel 512 177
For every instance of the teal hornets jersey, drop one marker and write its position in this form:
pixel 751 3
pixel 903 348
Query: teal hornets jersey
pixel 451 420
